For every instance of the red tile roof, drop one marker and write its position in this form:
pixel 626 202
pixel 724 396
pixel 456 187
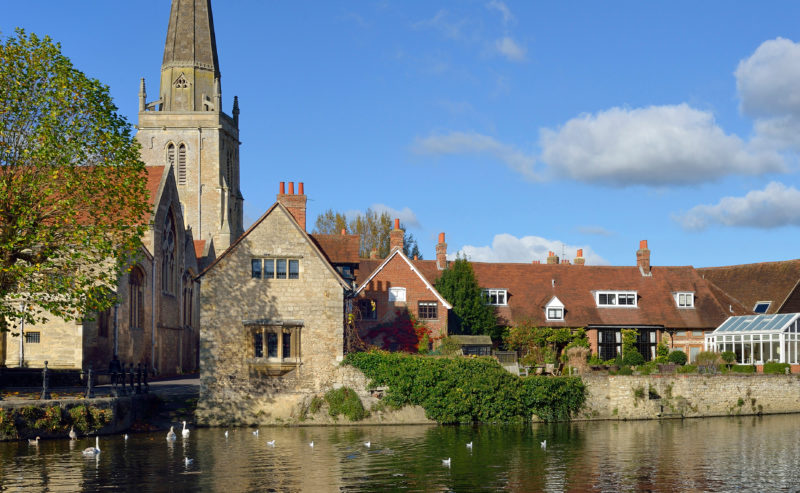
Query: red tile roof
pixel 751 283
pixel 154 175
pixel 339 249
pixel 199 248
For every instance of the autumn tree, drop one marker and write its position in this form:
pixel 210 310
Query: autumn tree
pixel 73 199
pixel 471 313
pixel 373 228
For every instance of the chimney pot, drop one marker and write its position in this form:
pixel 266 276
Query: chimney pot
pixel 643 245
pixel 580 252
pixel 344 231
pixel 397 223
pixel 441 237
pixel 300 187
pixel 282 188
pixel 291 188
pixel 396 236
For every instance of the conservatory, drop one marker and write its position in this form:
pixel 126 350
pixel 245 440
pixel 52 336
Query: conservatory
pixel 756 339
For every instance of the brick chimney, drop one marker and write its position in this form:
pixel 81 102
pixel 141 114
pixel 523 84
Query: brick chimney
pixel 579 260
pixel 441 253
pixel 396 237
pixel 643 258
pixel 296 204
pixel 552 258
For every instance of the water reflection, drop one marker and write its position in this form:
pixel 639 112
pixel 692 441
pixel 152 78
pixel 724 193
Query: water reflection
pixel 709 455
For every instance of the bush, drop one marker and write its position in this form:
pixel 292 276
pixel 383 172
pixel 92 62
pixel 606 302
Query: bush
pixel 632 357
pixel 662 350
pixel 775 367
pixel 462 390
pixel 345 401
pixel 678 357
pixel 316 404
pixel 743 369
pixel 687 369
pixel 708 360
pixel 623 370
pixel 594 360
pixel 728 357
pixel 647 368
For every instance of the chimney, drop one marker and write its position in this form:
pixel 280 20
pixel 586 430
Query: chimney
pixel 441 253
pixel 296 204
pixel 643 258
pixel 579 260
pixel 344 231
pixel 396 237
pixel 551 258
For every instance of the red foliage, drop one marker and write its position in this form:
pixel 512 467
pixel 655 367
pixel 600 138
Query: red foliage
pixel 401 334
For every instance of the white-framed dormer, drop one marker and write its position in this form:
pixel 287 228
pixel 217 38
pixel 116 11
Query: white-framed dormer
pixel 495 297
pixel 616 299
pixel 684 299
pixel 554 310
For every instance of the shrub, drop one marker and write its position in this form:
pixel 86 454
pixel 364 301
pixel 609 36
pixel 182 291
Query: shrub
pixel 632 357
pixel 345 401
pixel 678 357
pixel 594 359
pixel 647 368
pixel 316 404
pixel 51 420
pixel 461 390
pixel 775 367
pixel 687 369
pixel 743 369
pixel 662 350
pixel 623 370
pixel 728 357
pixel 8 428
pixel 708 360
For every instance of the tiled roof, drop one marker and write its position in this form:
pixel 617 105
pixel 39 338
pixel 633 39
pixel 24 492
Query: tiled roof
pixel 154 175
pixel 339 249
pixel 199 247
pixel 531 286
pixel 751 283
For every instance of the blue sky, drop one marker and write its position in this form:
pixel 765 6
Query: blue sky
pixel 514 127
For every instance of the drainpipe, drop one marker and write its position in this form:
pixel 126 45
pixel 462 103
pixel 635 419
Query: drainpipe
pixel 22 337
pixel 153 318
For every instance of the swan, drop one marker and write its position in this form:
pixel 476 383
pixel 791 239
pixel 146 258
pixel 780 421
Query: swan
pixel 33 442
pixel 171 435
pixel 72 434
pixel 446 462
pixel 271 443
pixel 185 431
pixel 255 433
pixel 311 444
pixel 93 450
pixel 544 444
pixel 226 434
pixel 367 444
pixel 469 445
pixel 126 436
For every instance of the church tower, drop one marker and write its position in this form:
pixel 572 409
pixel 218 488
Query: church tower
pixel 185 128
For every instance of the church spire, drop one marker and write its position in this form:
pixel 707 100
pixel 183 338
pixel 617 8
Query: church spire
pixel 190 70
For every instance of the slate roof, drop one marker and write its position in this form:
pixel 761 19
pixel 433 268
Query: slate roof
pixel 339 249
pixel 764 281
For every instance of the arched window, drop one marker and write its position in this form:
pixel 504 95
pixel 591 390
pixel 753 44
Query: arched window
pixel 171 154
pixel 187 299
pixel 182 164
pixel 136 298
pixel 168 255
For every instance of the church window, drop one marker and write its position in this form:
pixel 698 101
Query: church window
pixel 188 292
pixel 182 164
pixel 171 154
pixel 168 255
pixel 136 298
pixel 181 82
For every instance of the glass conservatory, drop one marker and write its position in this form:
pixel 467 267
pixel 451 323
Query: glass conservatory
pixel 756 339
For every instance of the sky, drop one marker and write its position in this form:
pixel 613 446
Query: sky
pixel 516 128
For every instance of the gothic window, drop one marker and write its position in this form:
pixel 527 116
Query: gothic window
pixel 171 154
pixel 182 164
pixel 136 298
pixel 181 82
pixel 168 255
pixel 187 299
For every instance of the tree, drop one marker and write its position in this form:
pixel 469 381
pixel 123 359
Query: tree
pixel 373 228
pixel 73 197
pixel 459 287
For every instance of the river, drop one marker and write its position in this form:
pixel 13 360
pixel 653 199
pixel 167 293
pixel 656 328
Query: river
pixel 712 454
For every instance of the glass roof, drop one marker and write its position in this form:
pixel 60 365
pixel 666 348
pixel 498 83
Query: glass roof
pixel 757 323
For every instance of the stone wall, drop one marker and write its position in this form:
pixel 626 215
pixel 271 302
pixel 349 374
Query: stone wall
pixel 675 396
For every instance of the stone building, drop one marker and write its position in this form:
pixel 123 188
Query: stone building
pixel 272 318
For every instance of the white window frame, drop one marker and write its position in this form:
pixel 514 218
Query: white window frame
pixel 629 295
pixel 555 313
pixel 397 295
pixel 487 293
pixel 688 299
pixel 768 303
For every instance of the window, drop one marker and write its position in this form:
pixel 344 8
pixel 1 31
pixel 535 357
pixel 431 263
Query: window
pixel 762 306
pixel 397 295
pixel 171 155
pixel 188 293
pixel 555 314
pixel 609 343
pixel 274 268
pixel 616 298
pixel 275 343
pixel 697 333
pixel 103 320
pixel 181 171
pixel 495 296
pixel 680 333
pixel 367 309
pixel 32 337
pixel 428 310
pixel 684 300
pixel 168 255
pixel 136 298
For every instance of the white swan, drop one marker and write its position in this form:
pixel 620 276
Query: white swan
pixel 171 435
pixel 33 442
pixel 255 433
pixel 544 444
pixel 126 436
pixel 226 434
pixel 446 462
pixel 311 444
pixel 271 443
pixel 368 444
pixel 72 434
pixel 469 445
pixel 185 431
pixel 93 450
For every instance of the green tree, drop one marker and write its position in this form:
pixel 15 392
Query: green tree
pixel 471 313
pixel 73 197
pixel 373 228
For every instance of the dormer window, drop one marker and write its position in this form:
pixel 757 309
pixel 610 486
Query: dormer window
pixel 497 297
pixel 684 300
pixel 616 298
pixel 554 310
pixel 762 306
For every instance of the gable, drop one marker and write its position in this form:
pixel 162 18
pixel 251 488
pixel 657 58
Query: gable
pixel 399 271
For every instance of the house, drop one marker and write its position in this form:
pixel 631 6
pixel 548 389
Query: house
pixel 765 287
pixel 272 320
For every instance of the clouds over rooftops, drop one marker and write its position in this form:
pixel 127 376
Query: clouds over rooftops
pixel 509 248
pixel 406 215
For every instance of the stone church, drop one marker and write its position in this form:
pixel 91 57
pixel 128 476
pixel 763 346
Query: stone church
pixel 191 149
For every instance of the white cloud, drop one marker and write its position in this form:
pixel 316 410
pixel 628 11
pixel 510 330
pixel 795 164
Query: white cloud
pixel 503 9
pixel 768 83
pixel 656 145
pixel 595 231
pixel 406 215
pixel 510 49
pixel 509 248
pixel 775 206
pixel 456 143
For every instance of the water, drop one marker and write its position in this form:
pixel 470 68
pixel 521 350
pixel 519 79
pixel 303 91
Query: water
pixel 717 454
